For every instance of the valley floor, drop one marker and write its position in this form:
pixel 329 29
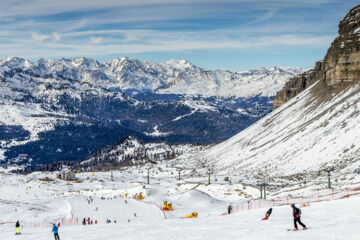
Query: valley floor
pixel 39 199
pixel 329 220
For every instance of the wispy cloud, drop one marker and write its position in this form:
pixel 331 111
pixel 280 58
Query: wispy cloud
pixel 96 40
pixel 49 28
pixel 39 37
pixel 56 36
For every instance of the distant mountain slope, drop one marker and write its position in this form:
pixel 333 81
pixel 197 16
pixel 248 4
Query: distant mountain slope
pixel 130 151
pixel 67 109
pixel 317 130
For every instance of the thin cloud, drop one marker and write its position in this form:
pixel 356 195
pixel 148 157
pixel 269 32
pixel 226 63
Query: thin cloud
pixel 105 28
pixel 56 36
pixel 45 7
pixel 96 40
pixel 171 44
pixel 39 37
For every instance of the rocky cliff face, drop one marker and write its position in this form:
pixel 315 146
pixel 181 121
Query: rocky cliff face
pixel 340 65
pixel 298 84
pixel 342 61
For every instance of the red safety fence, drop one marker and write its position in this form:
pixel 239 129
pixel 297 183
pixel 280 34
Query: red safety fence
pixel 70 221
pixel 300 199
pixel 29 223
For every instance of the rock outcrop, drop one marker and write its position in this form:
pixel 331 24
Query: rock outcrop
pixel 342 61
pixel 340 65
pixel 298 84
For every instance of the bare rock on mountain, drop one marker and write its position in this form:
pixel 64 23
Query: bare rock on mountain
pixel 342 61
pixel 340 65
pixel 298 84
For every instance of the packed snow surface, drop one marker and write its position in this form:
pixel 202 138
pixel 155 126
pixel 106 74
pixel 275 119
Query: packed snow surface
pixel 39 199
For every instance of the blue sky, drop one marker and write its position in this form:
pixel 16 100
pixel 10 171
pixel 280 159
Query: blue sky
pixel 228 34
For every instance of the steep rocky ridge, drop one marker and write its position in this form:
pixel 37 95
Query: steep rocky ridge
pixel 340 65
pixel 342 61
pixel 298 84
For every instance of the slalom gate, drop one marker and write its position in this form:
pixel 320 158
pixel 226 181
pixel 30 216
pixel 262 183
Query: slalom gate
pixel 300 199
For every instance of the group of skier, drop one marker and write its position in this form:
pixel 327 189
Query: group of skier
pixel 55 230
pixel 88 221
pixel 296 215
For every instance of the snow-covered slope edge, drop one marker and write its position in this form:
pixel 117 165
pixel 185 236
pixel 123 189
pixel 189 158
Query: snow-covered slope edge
pixel 317 130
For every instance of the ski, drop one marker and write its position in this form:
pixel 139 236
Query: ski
pixel 291 229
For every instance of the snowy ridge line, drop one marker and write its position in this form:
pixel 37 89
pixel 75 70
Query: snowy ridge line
pixel 330 195
pixel 172 77
pixel 154 204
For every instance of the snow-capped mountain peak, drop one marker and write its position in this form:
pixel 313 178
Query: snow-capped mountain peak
pixel 172 77
pixel 182 64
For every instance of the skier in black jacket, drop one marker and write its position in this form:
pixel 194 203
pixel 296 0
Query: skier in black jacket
pixel 17 225
pixel 229 209
pixel 296 215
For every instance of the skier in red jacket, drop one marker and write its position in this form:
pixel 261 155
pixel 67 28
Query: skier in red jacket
pixel 268 213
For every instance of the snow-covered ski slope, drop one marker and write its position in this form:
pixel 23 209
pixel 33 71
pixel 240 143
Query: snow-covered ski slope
pixel 317 130
pixel 33 199
pixel 42 198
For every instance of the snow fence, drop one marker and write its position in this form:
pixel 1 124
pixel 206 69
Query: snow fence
pixel 299 199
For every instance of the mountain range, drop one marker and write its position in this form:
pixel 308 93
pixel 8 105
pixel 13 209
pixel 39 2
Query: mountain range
pixel 67 109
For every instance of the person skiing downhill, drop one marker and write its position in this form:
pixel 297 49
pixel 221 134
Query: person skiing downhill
pixel 55 230
pixel 267 215
pixel 17 225
pixel 296 215
pixel 229 209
